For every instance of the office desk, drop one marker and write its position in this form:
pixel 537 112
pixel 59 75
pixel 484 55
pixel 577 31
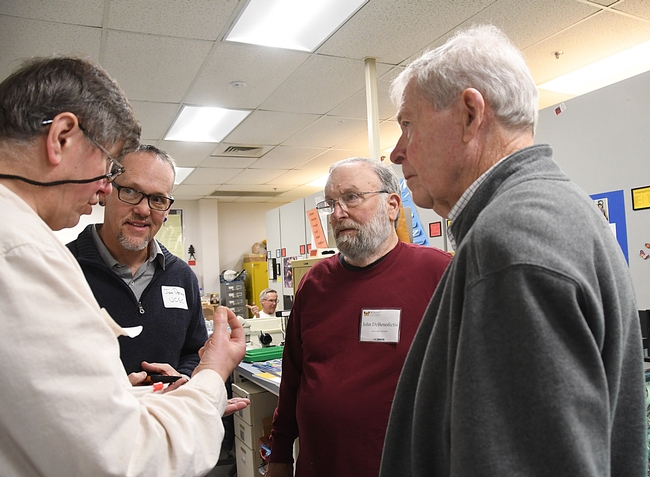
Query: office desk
pixel 248 371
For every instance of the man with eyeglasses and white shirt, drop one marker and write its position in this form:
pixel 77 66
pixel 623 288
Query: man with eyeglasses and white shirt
pixel 136 278
pixel 269 302
pixel 350 328
pixel 69 408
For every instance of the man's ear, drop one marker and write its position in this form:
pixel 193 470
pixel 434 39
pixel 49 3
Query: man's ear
pixel 58 140
pixel 473 105
pixel 393 206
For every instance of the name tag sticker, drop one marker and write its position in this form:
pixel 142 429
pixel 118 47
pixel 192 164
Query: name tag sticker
pixel 380 325
pixel 174 297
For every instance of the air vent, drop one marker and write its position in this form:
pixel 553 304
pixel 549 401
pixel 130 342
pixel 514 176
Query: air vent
pixel 239 150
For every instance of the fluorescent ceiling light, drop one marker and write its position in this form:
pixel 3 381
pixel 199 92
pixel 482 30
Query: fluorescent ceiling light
pixel 616 68
pixel 182 173
pixel 320 182
pixel 291 24
pixel 196 124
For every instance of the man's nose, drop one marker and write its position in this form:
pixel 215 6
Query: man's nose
pixel 339 212
pixel 398 154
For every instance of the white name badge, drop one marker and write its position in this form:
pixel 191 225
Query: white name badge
pixel 174 297
pixel 380 325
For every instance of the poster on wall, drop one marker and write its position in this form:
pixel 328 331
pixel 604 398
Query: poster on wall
pixel 288 272
pixel 612 206
pixel 171 233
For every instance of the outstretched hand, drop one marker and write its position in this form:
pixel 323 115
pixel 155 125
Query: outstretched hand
pixel 225 349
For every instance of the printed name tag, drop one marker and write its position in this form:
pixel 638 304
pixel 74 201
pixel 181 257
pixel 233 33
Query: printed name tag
pixel 380 325
pixel 174 297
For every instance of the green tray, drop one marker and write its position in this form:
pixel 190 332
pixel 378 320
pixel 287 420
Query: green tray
pixel 263 354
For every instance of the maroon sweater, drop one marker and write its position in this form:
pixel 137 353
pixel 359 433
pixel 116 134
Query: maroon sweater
pixel 336 391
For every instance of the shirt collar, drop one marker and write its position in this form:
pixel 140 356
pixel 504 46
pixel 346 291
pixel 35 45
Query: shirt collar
pixel 465 198
pixel 155 252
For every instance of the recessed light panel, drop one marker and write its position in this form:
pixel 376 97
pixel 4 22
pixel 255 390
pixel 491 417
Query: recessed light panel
pixel 291 24
pixel 196 124
pixel 182 173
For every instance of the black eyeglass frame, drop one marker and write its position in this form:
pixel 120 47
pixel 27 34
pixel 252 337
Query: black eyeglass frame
pixel 329 204
pixel 142 196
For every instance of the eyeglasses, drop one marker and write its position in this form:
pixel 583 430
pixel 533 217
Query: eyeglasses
pixel 134 197
pixel 116 168
pixel 270 301
pixel 349 200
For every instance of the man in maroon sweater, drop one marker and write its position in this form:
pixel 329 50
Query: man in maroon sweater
pixel 351 325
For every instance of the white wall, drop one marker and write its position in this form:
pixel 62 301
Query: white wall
pixel 240 226
pixel 601 141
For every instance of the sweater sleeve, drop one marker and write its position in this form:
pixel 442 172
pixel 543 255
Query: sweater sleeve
pixel 528 363
pixel 285 424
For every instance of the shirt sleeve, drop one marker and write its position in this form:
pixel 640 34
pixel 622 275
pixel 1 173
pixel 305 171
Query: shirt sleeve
pixel 69 408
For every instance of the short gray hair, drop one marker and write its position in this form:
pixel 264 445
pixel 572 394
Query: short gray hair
pixel 265 292
pixel 481 57
pixel 161 155
pixel 387 176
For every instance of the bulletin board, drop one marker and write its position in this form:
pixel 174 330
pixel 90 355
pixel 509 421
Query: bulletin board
pixel 171 233
pixel 613 207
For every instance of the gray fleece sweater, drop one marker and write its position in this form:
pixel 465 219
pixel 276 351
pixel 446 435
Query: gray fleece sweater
pixel 528 361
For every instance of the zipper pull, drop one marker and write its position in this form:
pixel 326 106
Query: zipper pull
pixel 141 309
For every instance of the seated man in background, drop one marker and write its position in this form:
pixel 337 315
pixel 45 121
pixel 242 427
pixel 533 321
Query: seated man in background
pixel 350 329
pixel 269 302
pixel 69 408
pixel 136 278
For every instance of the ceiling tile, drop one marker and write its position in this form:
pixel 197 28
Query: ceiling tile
pixel 209 175
pixel 255 176
pixel 263 70
pixel 638 8
pixel 155 118
pixel 22 39
pixel 392 30
pixel 313 88
pixel 296 177
pixel 187 154
pixel 327 132
pixel 202 19
pixel 86 13
pixel 600 36
pixel 283 157
pixel 228 162
pixel 183 190
pixel 356 106
pixel 270 127
pixel 157 68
